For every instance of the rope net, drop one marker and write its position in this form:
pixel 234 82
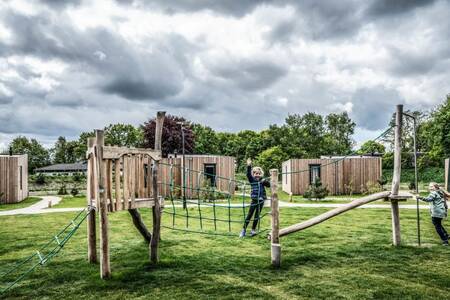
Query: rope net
pixel 43 255
pixel 211 204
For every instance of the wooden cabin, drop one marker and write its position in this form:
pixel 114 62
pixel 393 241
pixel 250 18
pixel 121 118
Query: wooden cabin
pixel 13 178
pixel 203 173
pixel 339 174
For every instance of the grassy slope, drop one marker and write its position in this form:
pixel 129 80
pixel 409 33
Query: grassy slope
pixel 26 202
pixel 348 257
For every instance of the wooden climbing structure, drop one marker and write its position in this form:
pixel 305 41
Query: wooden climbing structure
pixel 121 178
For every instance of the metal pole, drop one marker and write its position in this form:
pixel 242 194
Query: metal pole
pixel 184 168
pixel 416 177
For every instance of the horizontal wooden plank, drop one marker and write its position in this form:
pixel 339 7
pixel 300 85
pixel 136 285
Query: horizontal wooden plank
pixel 114 152
pixel 143 202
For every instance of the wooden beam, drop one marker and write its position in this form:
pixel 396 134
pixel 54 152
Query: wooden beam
pixel 275 239
pixel 114 152
pixel 332 213
pixel 396 236
pixel 156 210
pixel 105 267
pixel 139 224
pixel 91 219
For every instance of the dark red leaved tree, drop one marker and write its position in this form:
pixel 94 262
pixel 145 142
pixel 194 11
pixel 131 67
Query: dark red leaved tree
pixel 171 135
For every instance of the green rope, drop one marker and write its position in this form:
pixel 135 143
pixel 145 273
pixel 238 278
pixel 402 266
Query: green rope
pixel 198 202
pixel 44 258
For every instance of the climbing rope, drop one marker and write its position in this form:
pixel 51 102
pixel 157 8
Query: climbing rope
pixel 40 257
pixel 204 207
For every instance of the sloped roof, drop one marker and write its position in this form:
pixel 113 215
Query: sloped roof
pixel 79 166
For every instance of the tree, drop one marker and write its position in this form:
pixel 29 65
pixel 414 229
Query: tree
pixel 306 134
pixel 339 131
pixel 205 140
pixel 123 135
pixel 372 147
pixel 64 152
pixel 171 135
pixel 38 156
pixel 271 158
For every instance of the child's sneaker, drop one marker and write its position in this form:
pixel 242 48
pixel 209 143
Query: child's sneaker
pixel 445 243
pixel 242 234
pixel 252 233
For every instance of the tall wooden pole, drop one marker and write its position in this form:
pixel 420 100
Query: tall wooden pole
pixel 156 210
pixel 105 267
pixel 275 238
pixel 396 237
pixel 90 193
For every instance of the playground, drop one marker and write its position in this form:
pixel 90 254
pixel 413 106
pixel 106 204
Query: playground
pixel 139 243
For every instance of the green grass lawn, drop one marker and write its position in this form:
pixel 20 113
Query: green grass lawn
pixel 70 201
pixel 348 257
pixel 26 202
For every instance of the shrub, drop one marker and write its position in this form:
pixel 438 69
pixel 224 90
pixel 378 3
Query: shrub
pixel 412 186
pixel 373 187
pixel 62 190
pixel 74 191
pixel 382 182
pixel 316 190
pixel 77 177
pixel 348 188
pixel 40 179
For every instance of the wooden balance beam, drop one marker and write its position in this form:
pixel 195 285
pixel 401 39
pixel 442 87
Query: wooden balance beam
pixel 339 210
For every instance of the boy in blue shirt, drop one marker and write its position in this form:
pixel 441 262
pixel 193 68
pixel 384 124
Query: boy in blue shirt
pixel 258 196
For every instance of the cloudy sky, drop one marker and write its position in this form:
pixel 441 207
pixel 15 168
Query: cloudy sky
pixel 71 66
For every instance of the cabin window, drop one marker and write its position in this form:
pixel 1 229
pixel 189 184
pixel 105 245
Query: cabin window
pixel 210 173
pixel 314 173
pixel 20 177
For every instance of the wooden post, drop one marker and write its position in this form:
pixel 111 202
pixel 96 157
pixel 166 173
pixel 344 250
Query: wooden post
pixel 396 237
pixel 156 210
pixel 275 239
pixel 90 192
pixel 105 267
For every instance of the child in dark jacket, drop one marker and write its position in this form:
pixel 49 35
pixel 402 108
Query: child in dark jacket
pixel 438 209
pixel 258 196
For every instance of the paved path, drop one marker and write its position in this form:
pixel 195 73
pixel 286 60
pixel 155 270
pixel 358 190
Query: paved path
pixel 41 206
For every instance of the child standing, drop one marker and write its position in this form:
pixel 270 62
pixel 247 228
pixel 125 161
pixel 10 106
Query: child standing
pixel 258 196
pixel 438 209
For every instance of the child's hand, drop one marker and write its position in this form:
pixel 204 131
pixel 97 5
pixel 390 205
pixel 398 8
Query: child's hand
pixel 249 161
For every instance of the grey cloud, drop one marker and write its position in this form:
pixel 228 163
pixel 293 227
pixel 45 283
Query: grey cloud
pixel 250 74
pixel 234 8
pixel 135 74
pixel 61 3
pixel 380 8
pixel 5 100
pixel 372 107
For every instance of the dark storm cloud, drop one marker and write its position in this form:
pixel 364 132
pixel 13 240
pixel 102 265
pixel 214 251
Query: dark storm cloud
pixel 372 107
pixel 135 74
pixel 380 8
pixel 250 74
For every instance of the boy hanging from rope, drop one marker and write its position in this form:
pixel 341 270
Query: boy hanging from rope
pixel 438 209
pixel 258 196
